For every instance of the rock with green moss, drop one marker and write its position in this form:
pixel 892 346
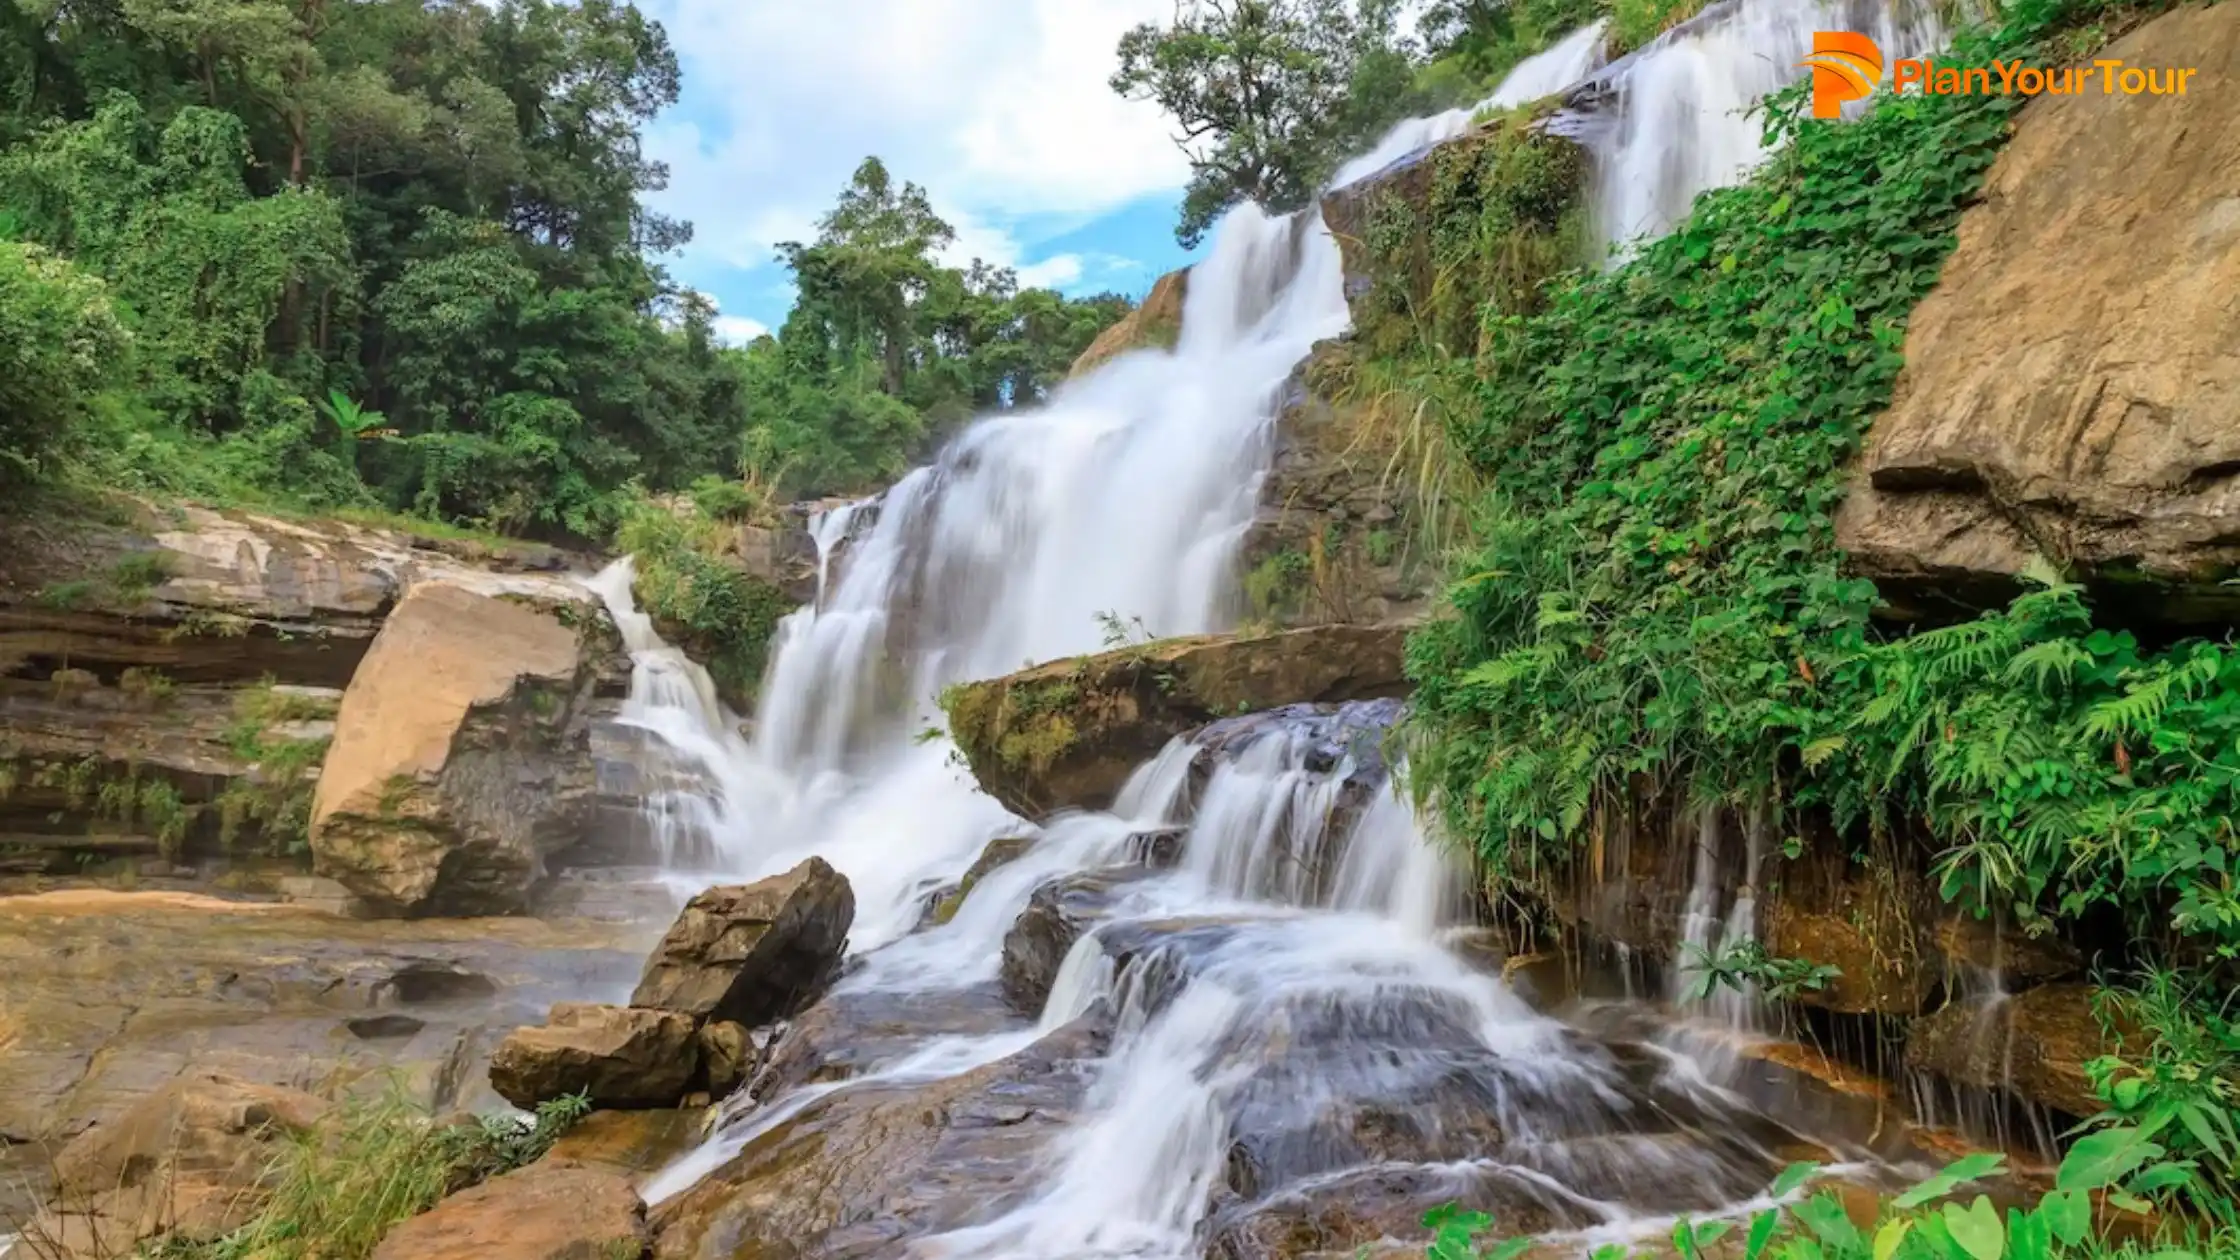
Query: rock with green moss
pixel 1067 734
pixel 462 756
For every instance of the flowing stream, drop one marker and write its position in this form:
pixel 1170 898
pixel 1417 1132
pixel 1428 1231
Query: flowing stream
pixel 1282 1011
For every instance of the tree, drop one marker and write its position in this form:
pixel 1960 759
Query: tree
pixel 1262 91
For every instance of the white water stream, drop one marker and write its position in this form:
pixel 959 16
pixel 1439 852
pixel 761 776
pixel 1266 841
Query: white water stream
pixel 1322 982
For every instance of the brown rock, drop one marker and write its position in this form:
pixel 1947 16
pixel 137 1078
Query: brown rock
pixel 634 1143
pixel 2094 427
pixel 1069 733
pixel 1045 932
pixel 1000 851
pixel 551 1210
pixel 1156 322
pixel 461 757
pixel 752 953
pixel 190 1160
pixel 2034 1044
pixel 2014 955
pixel 727 1053
pixel 621 1056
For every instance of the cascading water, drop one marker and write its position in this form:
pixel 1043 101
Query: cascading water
pixel 1276 1011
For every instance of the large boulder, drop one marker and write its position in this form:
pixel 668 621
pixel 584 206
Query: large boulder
pixel 621 1057
pixel 551 1210
pixel 462 754
pixel 752 953
pixel 1069 733
pixel 2094 430
pixel 191 1160
pixel 168 676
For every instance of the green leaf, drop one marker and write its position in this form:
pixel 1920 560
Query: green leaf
pixel 2068 1214
pixel 1976 1228
pixel 1761 1232
pixel 1792 1177
pixel 2104 1158
pixel 1892 1233
pixel 1964 1169
pixel 1823 1214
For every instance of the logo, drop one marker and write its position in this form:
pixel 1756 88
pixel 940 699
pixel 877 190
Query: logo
pixel 1846 66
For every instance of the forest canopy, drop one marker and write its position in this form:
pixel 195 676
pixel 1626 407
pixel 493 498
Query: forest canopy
pixel 396 255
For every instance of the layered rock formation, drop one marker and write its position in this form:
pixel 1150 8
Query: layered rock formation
pixel 2070 384
pixel 1157 321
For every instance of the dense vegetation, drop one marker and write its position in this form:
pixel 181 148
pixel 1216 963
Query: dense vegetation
pixel 1269 97
pixel 395 255
pixel 1651 604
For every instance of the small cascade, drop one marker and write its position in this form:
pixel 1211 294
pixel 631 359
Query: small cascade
pixel 1676 117
pixel 1997 1115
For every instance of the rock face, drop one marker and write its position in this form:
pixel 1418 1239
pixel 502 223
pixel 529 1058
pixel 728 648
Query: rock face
pixel 752 953
pixel 1068 734
pixel 2035 1044
pixel 2095 429
pixel 854 1174
pixel 190 1160
pixel 167 676
pixel 1045 932
pixel 622 1057
pixel 462 755
pixel 113 997
pixel 1157 322
pixel 551 1210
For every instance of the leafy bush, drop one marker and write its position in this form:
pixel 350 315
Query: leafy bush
pixel 699 597
pixel 59 345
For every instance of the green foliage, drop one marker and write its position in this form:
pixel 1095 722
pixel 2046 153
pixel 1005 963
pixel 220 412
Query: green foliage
pixel 274 798
pixel 1656 592
pixel 690 583
pixel 2173 1074
pixel 59 342
pixel 1744 965
pixel 339 1187
pixel 1927 1222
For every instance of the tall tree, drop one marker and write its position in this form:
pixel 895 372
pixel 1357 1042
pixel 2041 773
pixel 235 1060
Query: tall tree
pixel 1263 93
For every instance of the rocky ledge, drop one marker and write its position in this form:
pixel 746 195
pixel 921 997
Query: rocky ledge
pixel 1068 734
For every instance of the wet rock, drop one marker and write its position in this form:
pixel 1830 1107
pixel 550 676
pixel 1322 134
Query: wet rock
pixel 551 1210
pixel 461 758
pixel 2095 430
pixel 752 953
pixel 1989 947
pixel 1055 917
pixel 191 1160
pixel 622 1057
pixel 2034 1044
pixel 114 996
pixel 853 1029
pixel 1161 849
pixel 727 1054
pixel 1069 733
pixel 1156 321
pixel 861 1169
pixel 634 1143
pixel 1338 1217
pixel 999 852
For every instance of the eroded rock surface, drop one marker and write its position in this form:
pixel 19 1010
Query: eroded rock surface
pixel 552 1210
pixel 1156 322
pixel 2093 428
pixel 1069 733
pixel 191 1160
pixel 2035 1044
pixel 462 754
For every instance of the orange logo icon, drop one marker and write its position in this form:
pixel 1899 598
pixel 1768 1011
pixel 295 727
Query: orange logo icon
pixel 1846 66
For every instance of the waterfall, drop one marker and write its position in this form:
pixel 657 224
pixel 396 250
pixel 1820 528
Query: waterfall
pixel 1282 988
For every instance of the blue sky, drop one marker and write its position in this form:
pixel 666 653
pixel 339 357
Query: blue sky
pixel 999 108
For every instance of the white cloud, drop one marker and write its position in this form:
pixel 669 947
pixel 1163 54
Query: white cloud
pixel 738 330
pixel 1000 108
pixel 1051 273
